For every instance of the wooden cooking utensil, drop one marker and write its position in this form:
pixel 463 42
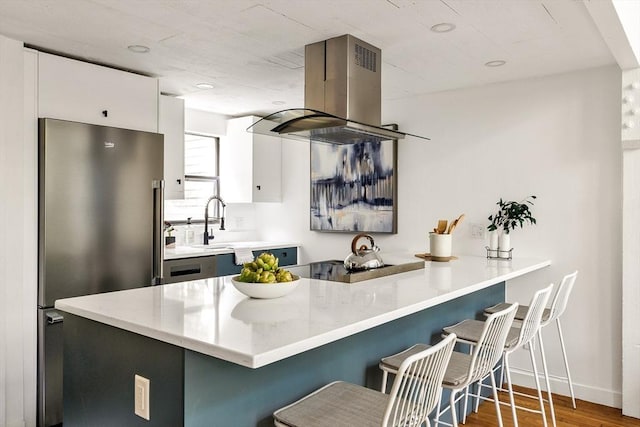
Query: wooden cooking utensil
pixel 442 226
pixel 454 224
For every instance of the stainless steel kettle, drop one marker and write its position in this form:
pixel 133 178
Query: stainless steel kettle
pixel 363 258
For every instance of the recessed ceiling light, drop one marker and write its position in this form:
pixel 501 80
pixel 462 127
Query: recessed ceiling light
pixel 204 85
pixel 497 63
pixel 138 48
pixel 278 102
pixel 443 27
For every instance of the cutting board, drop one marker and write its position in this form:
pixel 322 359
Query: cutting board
pixel 428 257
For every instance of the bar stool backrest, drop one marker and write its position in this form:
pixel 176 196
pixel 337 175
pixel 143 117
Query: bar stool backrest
pixel 533 318
pixel 559 303
pixel 490 346
pixel 417 387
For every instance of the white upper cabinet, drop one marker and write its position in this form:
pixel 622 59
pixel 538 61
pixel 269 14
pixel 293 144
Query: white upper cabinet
pixel 171 124
pixel 83 92
pixel 250 164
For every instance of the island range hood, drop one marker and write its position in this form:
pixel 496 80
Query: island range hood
pixel 342 97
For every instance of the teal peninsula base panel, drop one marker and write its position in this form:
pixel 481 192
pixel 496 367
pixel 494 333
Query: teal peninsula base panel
pixel 195 390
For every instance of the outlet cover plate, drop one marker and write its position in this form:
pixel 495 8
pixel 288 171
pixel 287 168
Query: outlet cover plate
pixel 477 231
pixel 141 393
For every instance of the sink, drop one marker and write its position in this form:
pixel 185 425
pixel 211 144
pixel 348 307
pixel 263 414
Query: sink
pixel 213 246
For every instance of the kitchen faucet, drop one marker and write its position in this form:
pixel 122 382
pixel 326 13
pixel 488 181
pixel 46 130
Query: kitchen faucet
pixel 206 217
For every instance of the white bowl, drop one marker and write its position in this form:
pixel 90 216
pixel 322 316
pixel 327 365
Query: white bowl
pixel 266 290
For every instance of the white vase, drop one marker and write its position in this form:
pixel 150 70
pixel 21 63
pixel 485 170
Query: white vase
pixel 504 245
pixel 493 243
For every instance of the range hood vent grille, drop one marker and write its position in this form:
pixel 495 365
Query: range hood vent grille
pixel 365 58
pixel 342 97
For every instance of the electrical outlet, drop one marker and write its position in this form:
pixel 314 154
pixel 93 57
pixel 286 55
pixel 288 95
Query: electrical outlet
pixel 141 392
pixel 477 231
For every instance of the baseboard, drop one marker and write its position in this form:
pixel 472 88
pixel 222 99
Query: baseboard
pixel 597 395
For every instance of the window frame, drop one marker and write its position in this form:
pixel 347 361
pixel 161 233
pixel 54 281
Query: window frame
pixel 206 178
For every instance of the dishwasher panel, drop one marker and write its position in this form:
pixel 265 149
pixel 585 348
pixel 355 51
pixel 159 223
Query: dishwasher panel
pixel 184 269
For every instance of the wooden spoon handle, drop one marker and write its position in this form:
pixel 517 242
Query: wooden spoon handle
pixel 454 224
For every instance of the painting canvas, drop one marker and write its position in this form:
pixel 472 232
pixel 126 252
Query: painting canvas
pixel 353 187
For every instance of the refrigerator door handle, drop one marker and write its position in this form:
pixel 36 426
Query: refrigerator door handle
pixel 158 232
pixel 54 317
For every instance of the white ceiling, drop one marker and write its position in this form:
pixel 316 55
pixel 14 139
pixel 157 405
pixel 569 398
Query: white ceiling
pixel 252 50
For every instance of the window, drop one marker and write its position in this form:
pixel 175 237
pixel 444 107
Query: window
pixel 201 170
pixel 200 166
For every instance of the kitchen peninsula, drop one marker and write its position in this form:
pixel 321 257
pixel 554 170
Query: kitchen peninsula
pixel 216 357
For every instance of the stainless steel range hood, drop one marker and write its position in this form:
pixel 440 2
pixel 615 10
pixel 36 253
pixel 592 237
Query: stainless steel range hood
pixel 342 97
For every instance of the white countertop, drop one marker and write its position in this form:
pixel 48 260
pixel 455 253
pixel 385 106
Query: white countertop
pixel 218 248
pixel 211 317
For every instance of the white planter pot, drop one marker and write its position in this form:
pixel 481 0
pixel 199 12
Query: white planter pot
pixel 504 245
pixel 493 243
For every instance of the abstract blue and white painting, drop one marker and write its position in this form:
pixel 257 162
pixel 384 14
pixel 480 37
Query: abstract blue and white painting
pixel 353 187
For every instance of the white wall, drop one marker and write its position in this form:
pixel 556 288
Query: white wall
pixel 204 122
pixel 18 250
pixel 629 14
pixel 556 137
pixel 631 244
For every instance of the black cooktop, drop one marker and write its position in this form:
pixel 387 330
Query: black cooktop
pixel 333 270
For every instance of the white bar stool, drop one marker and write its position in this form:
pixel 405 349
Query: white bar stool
pixel 465 369
pixel 550 315
pixel 469 332
pixel 415 393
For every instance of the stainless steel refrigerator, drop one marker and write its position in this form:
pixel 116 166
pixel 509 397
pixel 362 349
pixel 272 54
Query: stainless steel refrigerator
pixel 100 228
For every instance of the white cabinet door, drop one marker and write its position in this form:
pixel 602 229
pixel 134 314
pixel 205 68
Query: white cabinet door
pixel 171 124
pixel 83 92
pixel 250 164
pixel 267 169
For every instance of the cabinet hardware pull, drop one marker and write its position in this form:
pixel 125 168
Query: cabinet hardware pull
pixel 54 317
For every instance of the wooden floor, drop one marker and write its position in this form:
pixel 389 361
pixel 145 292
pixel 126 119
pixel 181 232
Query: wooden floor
pixel 585 415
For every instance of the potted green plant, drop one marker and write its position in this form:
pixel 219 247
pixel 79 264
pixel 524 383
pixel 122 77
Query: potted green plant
pixel 510 215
